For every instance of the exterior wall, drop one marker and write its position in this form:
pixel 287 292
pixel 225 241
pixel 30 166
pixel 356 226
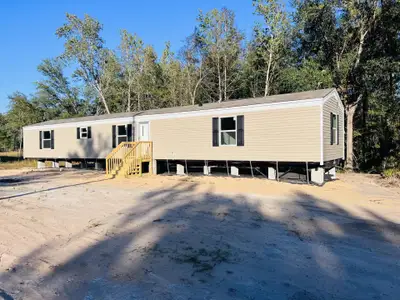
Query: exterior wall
pixel 66 145
pixel 335 151
pixel 287 134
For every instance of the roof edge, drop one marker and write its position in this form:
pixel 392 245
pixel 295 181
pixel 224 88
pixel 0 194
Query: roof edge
pixel 216 111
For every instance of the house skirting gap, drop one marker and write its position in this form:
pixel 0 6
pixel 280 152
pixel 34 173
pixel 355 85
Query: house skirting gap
pixel 296 172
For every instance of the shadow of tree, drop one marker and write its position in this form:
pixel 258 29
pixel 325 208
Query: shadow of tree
pixel 8 197
pixel 97 147
pixel 5 296
pixel 178 243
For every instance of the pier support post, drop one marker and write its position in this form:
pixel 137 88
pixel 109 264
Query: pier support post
pixel 207 170
pixel 332 173
pixel 271 173
pixel 234 171
pixel 180 169
pixel 317 175
pixel 41 164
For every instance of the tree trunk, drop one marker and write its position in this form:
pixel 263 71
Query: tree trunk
pixel 128 109
pixel 267 78
pixel 350 112
pixel 219 81
pixel 20 142
pixel 102 98
pixel 225 79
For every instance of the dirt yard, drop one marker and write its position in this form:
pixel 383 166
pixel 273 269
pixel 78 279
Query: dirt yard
pixel 76 235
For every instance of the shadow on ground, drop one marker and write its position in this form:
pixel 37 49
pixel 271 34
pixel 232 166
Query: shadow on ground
pixel 39 178
pixel 177 243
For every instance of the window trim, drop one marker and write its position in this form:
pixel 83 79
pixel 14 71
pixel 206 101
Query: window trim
pixel 221 131
pixel 117 136
pixel 87 133
pixel 43 139
pixel 334 130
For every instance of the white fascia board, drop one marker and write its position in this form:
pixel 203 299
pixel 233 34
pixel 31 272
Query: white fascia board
pixel 208 112
pixel 114 121
pixel 322 134
pixel 232 110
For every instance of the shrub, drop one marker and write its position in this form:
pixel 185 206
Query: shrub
pixel 392 173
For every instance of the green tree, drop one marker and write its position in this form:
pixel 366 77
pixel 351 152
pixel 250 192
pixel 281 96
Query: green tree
pixel 221 44
pixel 84 46
pixel 308 76
pixel 194 68
pixel 253 72
pixel 173 78
pixel 132 60
pixel 56 94
pixel 21 113
pixel 272 36
pixel 339 41
pixel 5 136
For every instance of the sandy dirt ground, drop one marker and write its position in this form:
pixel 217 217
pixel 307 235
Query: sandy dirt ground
pixel 77 235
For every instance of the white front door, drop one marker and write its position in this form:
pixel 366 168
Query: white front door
pixel 144 131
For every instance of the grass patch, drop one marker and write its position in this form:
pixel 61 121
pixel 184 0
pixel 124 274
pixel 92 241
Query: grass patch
pixel 11 154
pixel 17 164
pixel 390 173
pixel 391 177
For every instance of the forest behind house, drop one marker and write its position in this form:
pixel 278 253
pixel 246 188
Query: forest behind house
pixel 351 45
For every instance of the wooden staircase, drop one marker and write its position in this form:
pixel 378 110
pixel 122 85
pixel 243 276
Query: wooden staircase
pixel 128 158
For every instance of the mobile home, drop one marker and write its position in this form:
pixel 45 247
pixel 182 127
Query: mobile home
pixel 305 128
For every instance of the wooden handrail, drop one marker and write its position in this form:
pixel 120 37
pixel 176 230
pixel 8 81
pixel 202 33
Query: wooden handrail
pixel 127 156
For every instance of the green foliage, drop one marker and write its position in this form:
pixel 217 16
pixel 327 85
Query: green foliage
pixel 21 113
pixel 85 47
pixel 308 76
pixel 272 37
pixel 55 94
pixel 220 45
pixel 392 173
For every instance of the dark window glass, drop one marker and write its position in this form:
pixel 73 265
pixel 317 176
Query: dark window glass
pixel 122 139
pixel 46 144
pixel 228 123
pixel 46 135
pixel 122 130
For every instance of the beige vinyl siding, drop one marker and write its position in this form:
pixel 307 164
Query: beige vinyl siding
pixel 332 151
pixel 67 145
pixel 290 134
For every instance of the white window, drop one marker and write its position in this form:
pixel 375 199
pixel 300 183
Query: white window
pixel 228 131
pixel 46 140
pixel 334 129
pixel 122 134
pixel 84 133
